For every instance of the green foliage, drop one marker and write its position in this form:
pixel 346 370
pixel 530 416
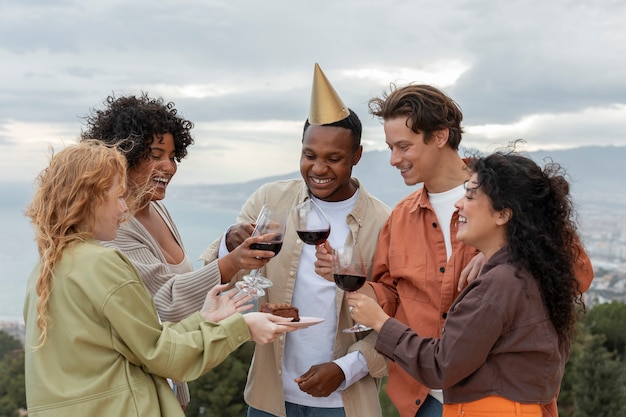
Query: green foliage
pixel 8 343
pixel 609 320
pixel 12 389
pixel 7 408
pixel 220 392
pixel 594 383
pixel 598 388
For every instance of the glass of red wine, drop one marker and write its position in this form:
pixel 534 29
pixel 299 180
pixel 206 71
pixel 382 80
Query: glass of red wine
pixel 270 222
pixel 312 225
pixel 350 273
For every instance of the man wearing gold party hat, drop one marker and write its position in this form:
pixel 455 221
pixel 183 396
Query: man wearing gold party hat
pixel 320 371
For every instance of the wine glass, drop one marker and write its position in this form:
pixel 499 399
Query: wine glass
pixel 350 274
pixel 312 225
pixel 269 222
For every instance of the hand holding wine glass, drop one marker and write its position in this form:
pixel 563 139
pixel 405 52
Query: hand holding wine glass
pixel 312 225
pixel 324 261
pixel 366 310
pixel 270 222
pixel 350 274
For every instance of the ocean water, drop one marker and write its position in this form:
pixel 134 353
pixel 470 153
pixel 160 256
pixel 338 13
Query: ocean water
pixel 198 224
pixel 18 251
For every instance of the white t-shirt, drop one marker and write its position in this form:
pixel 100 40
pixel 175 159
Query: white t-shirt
pixel 316 297
pixel 443 204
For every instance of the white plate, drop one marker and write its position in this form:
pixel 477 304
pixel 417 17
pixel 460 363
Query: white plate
pixel 304 322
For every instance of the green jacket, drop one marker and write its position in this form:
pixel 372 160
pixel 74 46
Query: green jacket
pixel 107 354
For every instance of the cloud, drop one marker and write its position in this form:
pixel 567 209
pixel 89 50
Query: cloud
pixel 443 74
pixel 552 72
pixel 591 126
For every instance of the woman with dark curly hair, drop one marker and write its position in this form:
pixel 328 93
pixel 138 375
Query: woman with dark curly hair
pixel 507 336
pixel 154 139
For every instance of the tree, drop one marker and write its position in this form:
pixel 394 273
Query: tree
pixel 8 343
pixel 609 320
pixel 7 408
pixel 220 391
pixel 12 388
pixel 598 387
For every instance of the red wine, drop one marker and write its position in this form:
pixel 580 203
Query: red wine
pixel 349 282
pixel 314 237
pixel 272 246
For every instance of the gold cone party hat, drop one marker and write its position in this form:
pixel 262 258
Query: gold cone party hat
pixel 326 106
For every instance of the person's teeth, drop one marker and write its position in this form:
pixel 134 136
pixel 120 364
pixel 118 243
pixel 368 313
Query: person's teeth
pixel 320 181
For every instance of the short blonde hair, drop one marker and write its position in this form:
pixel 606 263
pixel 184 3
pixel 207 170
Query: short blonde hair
pixel 64 208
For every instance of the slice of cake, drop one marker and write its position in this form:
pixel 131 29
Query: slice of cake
pixel 282 310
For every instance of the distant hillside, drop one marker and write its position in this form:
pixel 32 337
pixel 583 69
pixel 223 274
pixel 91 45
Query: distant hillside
pixel 596 174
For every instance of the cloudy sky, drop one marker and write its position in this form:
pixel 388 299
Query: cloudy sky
pixel 552 72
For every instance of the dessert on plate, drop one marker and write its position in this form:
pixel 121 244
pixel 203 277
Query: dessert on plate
pixel 282 310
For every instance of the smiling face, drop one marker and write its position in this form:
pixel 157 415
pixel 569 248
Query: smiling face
pixel 480 225
pixel 111 214
pixel 415 159
pixel 327 160
pixel 158 168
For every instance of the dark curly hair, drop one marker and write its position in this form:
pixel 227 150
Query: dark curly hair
pixel 130 122
pixel 427 108
pixel 541 233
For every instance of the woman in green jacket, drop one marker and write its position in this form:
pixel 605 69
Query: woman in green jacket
pixel 94 343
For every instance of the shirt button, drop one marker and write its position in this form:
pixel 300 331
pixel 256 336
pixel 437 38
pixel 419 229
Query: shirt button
pixel 291 273
pixel 442 269
pixel 239 338
pixel 281 337
pixel 435 225
pixel 280 371
pixel 444 315
pixel 418 401
pixel 298 241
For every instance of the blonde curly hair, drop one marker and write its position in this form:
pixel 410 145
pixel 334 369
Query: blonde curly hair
pixel 63 211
